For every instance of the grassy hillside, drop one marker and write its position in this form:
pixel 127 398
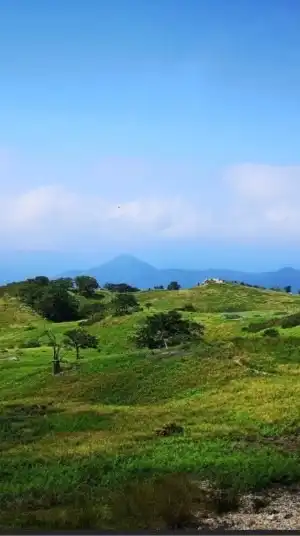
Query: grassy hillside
pixel 80 450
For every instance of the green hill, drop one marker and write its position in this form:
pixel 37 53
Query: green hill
pixel 85 449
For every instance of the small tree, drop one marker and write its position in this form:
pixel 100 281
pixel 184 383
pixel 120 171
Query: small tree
pixel 124 304
pixel 174 285
pixel 86 285
pixel 167 329
pixel 288 289
pixel 56 346
pixel 80 338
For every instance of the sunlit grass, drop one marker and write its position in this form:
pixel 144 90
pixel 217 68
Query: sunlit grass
pixel 79 449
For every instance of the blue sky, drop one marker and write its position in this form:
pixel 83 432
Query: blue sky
pixel 166 128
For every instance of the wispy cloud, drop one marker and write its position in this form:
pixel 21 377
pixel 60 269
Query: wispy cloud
pixel 249 201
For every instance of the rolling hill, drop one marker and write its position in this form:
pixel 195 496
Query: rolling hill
pixel 86 448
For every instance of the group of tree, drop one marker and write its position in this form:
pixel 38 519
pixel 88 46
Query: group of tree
pixel 174 285
pixel 120 287
pixel 51 299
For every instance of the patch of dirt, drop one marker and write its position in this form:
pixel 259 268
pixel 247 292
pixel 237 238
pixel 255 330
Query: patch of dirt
pixel 276 508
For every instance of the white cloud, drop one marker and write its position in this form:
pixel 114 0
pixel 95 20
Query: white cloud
pixel 249 202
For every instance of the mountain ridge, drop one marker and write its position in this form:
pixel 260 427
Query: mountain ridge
pixel 131 270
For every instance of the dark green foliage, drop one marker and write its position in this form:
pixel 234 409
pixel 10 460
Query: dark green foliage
pixel 271 332
pixel 66 283
pixel 41 280
pixel 159 287
pixel 174 285
pixel 124 304
pixel 189 307
pixel 290 321
pixel 86 285
pixel 288 289
pixel 52 301
pixel 30 292
pixel 96 317
pixel 58 305
pixel 167 329
pixel 90 309
pixel 120 287
pixel 32 343
pixel 79 338
pixel 170 429
pixel 255 327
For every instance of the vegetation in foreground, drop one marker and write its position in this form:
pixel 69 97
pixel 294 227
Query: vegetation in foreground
pixel 141 412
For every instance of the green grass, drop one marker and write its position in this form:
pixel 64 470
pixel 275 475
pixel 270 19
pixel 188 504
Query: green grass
pixel 80 450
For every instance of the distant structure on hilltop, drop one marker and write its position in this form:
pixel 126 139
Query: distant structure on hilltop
pixel 212 280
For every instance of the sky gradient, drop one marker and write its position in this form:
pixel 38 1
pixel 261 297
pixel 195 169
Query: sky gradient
pixel 168 129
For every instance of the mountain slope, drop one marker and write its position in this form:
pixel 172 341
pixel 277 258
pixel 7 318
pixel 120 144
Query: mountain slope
pixel 128 269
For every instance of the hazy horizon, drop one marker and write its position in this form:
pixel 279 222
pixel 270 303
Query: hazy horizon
pixel 167 130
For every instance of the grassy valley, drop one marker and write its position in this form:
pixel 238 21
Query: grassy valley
pixel 139 438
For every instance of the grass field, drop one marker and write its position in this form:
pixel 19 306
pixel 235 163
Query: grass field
pixel 80 450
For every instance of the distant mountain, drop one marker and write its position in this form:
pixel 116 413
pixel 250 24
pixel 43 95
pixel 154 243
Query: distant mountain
pixel 129 269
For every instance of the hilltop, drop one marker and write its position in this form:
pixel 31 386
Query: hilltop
pixel 95 447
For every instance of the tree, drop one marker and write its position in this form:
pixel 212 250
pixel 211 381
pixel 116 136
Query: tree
pixel 124 304
pixel 57 304
pixel 90 309
pixel 66 283
pixel 30 292
pixel 80 338
pixel 86 285
pixel 159 287
pixel 120 287
pixel 167 329
pixel 173 286
pixel 41 280
pixel 288 289
pixel 56 345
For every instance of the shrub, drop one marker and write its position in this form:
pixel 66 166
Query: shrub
pixel 290 321
pixel 232 316
pixel 271 332
pixel 169 430
pixel 189 307
pixel 97 317
pixel 31 343
pixel 90 309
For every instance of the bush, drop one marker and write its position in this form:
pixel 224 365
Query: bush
pixel 290 321
pixel 97 317
pixel 32 343
pixel 90 309
pixel 271 332
pixel 189 307
pixel 170 429
pixel 255 327
pixel 232 316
